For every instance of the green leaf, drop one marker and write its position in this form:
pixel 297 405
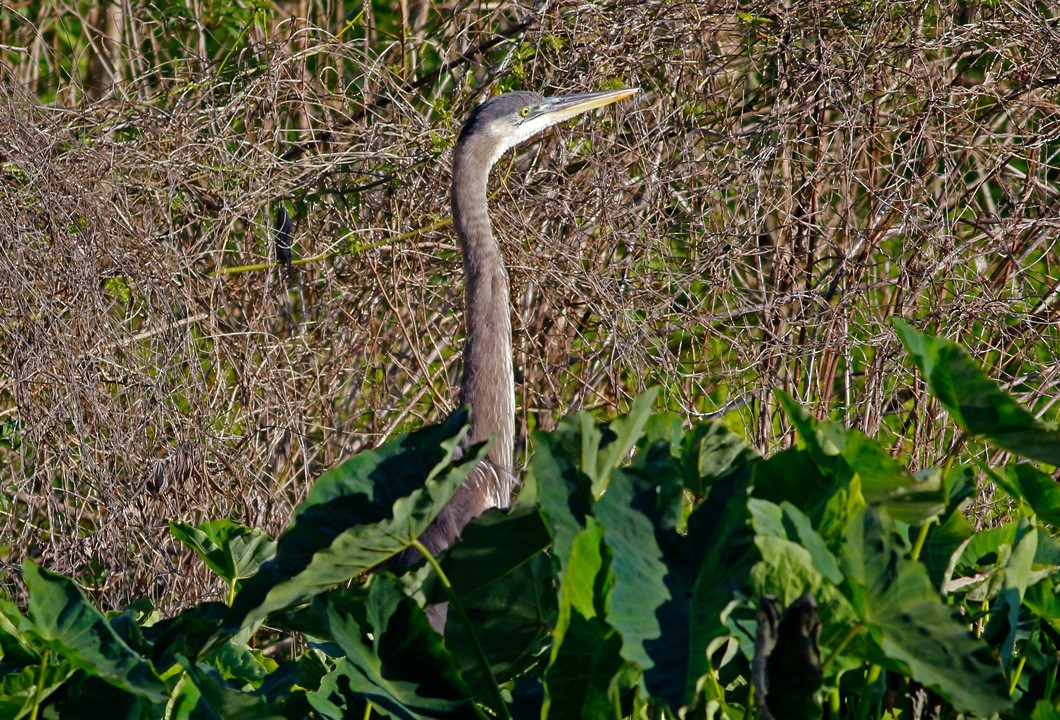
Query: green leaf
pixel 231 550
pixel 1043 600
pixel 16 635
pixel 185 634
pixel 884 481
pixel 793 476
pixel 221 701
pixel 649 599
pixel 722 552
pixel 712 453
pixel 794 557
pixel 358 515
pixel 88 698
pixel 394 659
pixel 1039 493
pixel 975 402
pixel 944 546
pixel 621 437
pixel 556 485
pixel 68 624
pixel 585 653
pixel 504 582
pixel 1005 609
pixel 786 569
pixel 910 626
pixel 20 690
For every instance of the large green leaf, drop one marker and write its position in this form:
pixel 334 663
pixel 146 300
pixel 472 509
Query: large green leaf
pixel 793 476
pixel 944 546
pixel 1043 600
pixel 215 699
pixel 231 550
pixel 1037 490
pixel 975 402
pixel 358 515
pixel 505 583
pixel 794 557
pixel 585 653
pixel 393 658
pixel 572 465
pixel 620 437
pixel 184 634
pixel 711 453
pixel 910 627
pixel 70 626
pixel 721 549
pixel 649 600
pixel 556 485
pixel 16 635
pixel 849 455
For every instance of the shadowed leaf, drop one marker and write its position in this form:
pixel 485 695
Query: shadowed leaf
pixel 910 626
pixel 393 658
pixel 64 619
pixel 358 515
pixel 505 583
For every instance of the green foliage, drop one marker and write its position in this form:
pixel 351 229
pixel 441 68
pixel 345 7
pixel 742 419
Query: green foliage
pixel 628 581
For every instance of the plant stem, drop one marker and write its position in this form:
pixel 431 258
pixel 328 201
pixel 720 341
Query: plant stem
pixel 454 603
pixel 918 546
pixel 1016 675
pixel 39 691
pixel 852 633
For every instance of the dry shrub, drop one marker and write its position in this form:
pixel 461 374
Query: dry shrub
pixel 788 179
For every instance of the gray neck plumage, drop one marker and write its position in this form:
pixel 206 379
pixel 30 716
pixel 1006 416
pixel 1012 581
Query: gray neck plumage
pixel 488 384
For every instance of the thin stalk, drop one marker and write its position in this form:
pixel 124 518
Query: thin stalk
pixel 918 546
pixel 39 690
pixel 454 603
pixel 1016 675
pixel 852 633
pixel 351 250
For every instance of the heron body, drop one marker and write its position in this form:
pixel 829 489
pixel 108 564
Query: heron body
pixel 488 382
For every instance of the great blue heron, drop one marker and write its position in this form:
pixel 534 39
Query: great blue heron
pixel 488 383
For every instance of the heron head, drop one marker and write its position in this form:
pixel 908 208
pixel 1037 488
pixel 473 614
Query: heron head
pixel 505 121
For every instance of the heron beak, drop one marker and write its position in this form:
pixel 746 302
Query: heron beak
pixel 560 108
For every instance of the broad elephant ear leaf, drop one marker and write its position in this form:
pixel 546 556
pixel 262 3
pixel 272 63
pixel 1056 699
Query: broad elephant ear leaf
pixel 358 515
pixel 233 551
pixel 975 402
pixel 909 626
pixel 393 659
pixel 66 622
pixel 504 580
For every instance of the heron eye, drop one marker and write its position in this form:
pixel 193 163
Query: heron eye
pixel 525 111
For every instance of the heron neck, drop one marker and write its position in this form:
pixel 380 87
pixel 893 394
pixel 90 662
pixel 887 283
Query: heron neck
pixel 488 383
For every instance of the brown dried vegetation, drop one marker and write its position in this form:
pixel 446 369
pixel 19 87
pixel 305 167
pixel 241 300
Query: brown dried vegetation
pixel 791 175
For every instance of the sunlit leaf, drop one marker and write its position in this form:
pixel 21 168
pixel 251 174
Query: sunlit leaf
pixel 909 624
pixel 974 401
pixel 231 550
pixel 585 652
